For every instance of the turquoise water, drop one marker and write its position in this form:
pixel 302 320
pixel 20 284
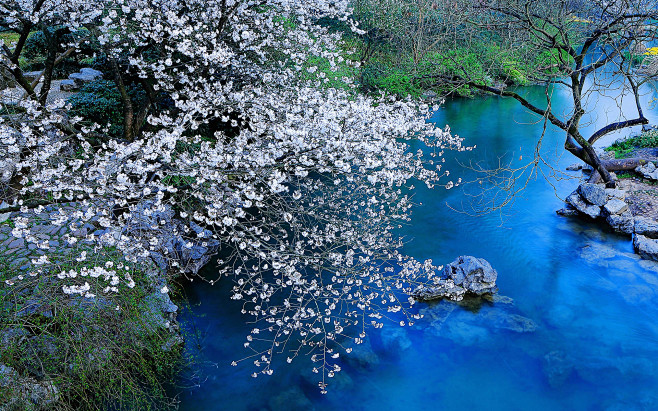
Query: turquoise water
pixel 578 332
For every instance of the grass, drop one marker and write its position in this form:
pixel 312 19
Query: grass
pixel 9 38
pixel 625 175
pixel 623 148
pixel 98 357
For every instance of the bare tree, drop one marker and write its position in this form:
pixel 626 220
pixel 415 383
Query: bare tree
pixel 586 46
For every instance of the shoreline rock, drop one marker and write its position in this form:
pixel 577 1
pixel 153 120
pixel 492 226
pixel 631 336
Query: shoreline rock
pixel 610 206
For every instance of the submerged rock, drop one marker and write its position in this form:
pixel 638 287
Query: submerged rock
pixel 395 339
pixel 466 274
pixel 291 400
pixel 568 211
pixel 339 382
pixel 637 294
pixel 362 355
pixel 512 322
pixel 466 328
pixel 557 368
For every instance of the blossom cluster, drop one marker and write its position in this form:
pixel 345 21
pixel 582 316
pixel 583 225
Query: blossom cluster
pixel 302 185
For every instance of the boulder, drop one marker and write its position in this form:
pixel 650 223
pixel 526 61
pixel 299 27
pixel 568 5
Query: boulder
pixel 86 75
pixel 18 393
pixel 646 226
pixel 32 75
pixel 593 193
pixel 615 206
pixel 575 167
pixel 4 216
pixel 474 274
pixel 646 247
pixel 622 223
pixel 68 85
pixel 648 171
pixel 577 202
pixel 466 274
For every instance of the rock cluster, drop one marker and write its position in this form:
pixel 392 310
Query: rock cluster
pixel 27 391
pixel 77 80
pixel 465 275
pixel 597 202
pixel 648 171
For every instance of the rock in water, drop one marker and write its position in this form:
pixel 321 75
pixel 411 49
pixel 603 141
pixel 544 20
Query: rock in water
pixel 576 201
pixel 466 274
pixel 646 226
pixel 646 247
pixel 623 223
pixel 557 368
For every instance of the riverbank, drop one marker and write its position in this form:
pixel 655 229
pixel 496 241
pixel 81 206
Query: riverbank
pixel 110 338
pixel 631 208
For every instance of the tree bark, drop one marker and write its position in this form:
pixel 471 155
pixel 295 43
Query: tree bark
pixel 128 110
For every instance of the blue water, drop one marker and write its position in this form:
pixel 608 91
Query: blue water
pixel 593 303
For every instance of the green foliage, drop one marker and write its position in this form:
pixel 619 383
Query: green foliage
pixel 635 59
pixel 8 38
pixel 622 148
pixel 379 77
pixel 35 50
pixel 100 102
pixel 97 356
pixel 319 69
pixel 625 175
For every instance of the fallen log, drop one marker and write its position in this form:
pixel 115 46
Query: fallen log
pixel 621 164
pixel 624 164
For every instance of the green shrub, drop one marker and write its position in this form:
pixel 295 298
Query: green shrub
pixel 100 102
pixel 97 357
pixel 380 77
pixel 35 50
pixel 622 148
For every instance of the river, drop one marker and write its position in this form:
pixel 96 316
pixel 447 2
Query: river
pixel 593 302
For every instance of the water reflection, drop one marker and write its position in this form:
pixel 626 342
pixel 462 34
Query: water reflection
pixel 576 331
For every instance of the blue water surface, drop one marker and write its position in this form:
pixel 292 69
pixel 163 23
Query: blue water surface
pixel 578 330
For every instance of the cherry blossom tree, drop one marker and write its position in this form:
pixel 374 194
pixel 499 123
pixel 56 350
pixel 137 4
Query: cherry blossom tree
pixel 302 185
